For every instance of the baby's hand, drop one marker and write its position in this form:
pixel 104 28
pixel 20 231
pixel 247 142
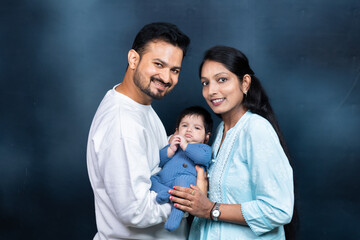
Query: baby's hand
pixel 173 135
pixel 174 144
pixel 175 141
pixel 182 142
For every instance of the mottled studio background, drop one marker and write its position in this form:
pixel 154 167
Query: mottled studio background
pixel 58 58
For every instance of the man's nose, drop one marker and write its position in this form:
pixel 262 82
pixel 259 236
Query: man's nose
pixel 165 75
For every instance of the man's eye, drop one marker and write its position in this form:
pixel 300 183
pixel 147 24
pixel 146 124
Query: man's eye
pixel 158 64
pixel 175 71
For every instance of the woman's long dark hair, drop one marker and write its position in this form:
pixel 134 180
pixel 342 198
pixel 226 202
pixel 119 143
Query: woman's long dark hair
pixel 255 100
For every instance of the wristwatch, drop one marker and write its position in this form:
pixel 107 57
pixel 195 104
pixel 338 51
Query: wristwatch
pixel 215 212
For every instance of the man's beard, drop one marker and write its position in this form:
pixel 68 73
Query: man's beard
pixel 146 89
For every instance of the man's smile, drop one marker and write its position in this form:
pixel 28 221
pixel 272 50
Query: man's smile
pixel 159 83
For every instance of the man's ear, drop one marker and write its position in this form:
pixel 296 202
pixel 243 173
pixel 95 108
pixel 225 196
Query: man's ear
pixel 246 82
pixel 133 59
pixel 207 137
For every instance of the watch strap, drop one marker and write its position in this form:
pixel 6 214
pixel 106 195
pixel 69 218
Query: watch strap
pixel 215 212
pixel 216 208
pixel 211 217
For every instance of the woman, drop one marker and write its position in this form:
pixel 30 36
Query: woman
pixel 250 178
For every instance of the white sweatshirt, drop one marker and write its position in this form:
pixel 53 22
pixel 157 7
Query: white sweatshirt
pixel 122 153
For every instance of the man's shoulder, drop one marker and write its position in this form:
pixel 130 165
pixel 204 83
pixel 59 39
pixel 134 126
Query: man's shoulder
pixel 117 107
pixel 115 114
pixel 120 117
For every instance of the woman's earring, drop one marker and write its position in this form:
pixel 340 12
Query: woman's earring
pixel 245 93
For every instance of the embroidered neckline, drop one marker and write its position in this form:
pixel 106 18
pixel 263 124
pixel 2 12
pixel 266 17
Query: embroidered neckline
pixel 219 161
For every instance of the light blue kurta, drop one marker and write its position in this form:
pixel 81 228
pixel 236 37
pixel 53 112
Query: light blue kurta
pixel 250 169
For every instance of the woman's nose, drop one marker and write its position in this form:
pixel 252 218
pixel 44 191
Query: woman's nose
pixel 213 88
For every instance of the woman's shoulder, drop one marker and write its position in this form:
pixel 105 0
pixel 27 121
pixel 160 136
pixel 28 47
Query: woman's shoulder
pixel 257 123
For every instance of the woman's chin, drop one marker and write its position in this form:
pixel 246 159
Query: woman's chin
pixel 217 111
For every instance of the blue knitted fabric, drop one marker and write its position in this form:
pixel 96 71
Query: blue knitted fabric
pixel 178 171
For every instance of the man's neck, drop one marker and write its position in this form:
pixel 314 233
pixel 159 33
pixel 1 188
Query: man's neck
pixel 129 89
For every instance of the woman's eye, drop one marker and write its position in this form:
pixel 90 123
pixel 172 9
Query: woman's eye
pixel 204 83
pixel 222 79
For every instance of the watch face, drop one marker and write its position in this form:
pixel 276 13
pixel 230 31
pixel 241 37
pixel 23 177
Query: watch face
pixel 216 213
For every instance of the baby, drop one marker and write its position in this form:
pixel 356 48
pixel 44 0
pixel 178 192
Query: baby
pixel 187 148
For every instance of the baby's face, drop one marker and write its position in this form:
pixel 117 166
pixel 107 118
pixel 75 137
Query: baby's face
pixel 192 129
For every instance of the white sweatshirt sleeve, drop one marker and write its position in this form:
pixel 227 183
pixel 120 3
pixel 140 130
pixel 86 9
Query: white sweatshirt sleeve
pixel 124 166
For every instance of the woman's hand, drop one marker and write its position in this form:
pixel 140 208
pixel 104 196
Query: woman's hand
pixel 191 200
pixel 201 180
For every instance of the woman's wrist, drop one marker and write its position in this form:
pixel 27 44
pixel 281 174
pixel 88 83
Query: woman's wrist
pixel 210 212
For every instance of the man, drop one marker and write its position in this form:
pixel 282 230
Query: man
pixel 126 135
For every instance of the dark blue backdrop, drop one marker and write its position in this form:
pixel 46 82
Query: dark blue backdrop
pixel 58 58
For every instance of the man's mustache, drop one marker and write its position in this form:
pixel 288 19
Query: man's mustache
pixel 159 80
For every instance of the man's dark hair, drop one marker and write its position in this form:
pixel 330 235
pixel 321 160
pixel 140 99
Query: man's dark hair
pixel 167 32
pixel 197 111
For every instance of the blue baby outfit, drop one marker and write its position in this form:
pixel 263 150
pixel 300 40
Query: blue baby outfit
pixel 178 171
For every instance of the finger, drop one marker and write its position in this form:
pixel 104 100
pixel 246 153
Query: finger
pixel 182 192
pixel 202 181
pixel 194 187
pixel 179 194
pixel 200 172
pixel 196 190
pixel 183 189
pixel 171 138
pixel 183 207
pixel 181 201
